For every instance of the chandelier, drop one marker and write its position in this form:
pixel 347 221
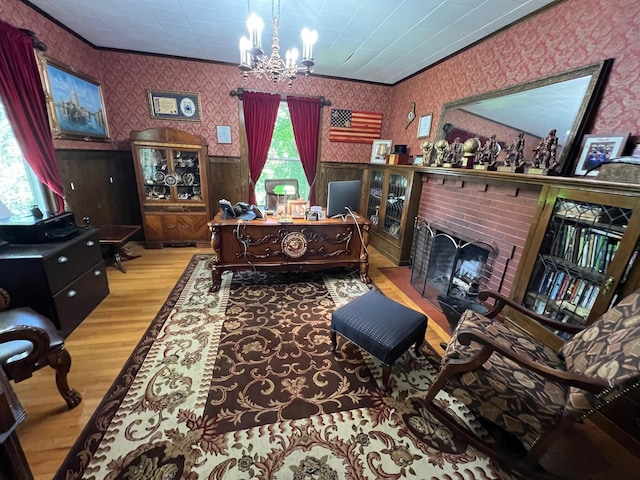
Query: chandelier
pixel 273 67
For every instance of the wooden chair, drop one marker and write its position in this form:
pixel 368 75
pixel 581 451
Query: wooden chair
pixel 525 393
pixel 280 190
pixel 30 341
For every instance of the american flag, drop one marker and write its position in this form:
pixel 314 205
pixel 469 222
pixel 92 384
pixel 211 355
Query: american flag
pixel 354 127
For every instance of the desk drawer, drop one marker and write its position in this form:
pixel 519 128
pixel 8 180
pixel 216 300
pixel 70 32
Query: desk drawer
pixel 78 299
pixel 67 264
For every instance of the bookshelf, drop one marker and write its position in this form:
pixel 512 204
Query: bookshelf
pixel 587 246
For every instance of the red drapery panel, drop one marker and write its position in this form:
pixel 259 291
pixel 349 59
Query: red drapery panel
pixel 305 119
pixel 24 100
pixel 260 111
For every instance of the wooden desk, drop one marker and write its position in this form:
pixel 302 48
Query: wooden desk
pixel 297 247
pixel 114 237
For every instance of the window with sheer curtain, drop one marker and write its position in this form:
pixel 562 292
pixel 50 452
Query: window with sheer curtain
pixel 20 189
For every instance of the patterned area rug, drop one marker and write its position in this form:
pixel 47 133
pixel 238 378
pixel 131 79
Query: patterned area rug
pixel 242 384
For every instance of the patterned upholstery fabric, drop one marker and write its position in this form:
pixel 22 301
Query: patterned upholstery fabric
pixel 379 325
pixel 503 392
pixel 524 403
pixel 608 349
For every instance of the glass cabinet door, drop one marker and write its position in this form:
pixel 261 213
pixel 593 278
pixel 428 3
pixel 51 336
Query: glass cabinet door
pixel 375 197
pixel 186 170
pixel 394 205
pixel 574 270
pixel 154 168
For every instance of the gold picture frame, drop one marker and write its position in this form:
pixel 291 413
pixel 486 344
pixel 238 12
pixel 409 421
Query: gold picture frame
pixel 75 102
pixel 298 208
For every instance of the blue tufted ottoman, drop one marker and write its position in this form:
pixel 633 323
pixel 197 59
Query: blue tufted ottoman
pixel 380 326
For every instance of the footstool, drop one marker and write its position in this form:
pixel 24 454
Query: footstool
pixel 380 326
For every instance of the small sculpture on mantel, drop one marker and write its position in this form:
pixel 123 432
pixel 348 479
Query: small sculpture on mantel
pixel 545 153
pixel 488 154
pixel 427 148
pixel 455 152
pixel 515 152
pixel 442 152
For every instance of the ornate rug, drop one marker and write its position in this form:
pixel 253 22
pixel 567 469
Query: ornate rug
pixel 242 384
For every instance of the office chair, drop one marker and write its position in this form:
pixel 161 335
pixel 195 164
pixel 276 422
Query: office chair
pixel 280 190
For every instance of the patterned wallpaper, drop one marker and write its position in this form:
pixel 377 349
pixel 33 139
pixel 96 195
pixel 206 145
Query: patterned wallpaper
pixel 570 34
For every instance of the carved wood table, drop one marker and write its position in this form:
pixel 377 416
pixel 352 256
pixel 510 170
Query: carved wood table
pixel 299 246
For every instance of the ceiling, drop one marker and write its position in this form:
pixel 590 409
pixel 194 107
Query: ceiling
pixel 383 41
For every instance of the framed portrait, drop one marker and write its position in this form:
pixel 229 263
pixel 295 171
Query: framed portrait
pixel 184 106
pixel 380 150
pixel 597 149
pixel 74 102
pixel 297 208
pixel 424 126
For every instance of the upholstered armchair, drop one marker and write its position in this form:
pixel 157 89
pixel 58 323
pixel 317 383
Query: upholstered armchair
pixel 523 391
pixel 30 341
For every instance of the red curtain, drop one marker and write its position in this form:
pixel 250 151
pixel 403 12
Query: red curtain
pixel 260 111
pixel 305 119
pixel 24 100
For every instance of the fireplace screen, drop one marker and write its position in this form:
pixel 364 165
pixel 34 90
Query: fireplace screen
pixel 446 265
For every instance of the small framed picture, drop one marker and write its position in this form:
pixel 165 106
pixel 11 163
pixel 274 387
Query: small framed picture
pixel 597 149
pixel 297 208
pixel 380 150
pixel 424 126
pixel 418 160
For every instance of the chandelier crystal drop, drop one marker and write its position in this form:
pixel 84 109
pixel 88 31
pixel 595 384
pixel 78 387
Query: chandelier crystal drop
pixel 273 67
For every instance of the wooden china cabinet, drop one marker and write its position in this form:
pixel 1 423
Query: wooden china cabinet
pixel 171 178
pixel 392 198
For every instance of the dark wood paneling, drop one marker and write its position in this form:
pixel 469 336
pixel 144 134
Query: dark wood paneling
pixel 226 180
pixel 100 185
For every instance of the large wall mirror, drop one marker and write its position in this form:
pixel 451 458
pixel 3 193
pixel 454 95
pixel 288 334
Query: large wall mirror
pixel 562 102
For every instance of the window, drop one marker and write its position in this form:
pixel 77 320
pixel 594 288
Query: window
pixel 20 189
pixel 283 160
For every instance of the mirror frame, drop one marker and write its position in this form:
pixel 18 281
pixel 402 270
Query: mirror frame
pixel 598 72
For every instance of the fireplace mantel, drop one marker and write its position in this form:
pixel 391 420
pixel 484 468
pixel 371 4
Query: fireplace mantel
pixel 587 183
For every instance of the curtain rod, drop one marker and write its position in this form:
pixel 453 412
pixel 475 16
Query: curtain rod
pixel 239 91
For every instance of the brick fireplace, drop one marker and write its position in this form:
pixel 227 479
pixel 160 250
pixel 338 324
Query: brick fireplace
pixel 494 216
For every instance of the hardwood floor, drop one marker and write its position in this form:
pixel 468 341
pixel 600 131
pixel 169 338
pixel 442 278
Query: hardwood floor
pixel 102 343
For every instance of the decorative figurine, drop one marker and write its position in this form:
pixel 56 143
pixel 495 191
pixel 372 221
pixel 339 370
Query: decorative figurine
pixel 515 152
pixel 488 155
pixel 470 149
pixel 427 148
pixel 442 152
pixel 455 152
pixel 545 153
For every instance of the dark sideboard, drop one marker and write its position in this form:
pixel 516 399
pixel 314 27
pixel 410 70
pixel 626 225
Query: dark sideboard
pixel 63 281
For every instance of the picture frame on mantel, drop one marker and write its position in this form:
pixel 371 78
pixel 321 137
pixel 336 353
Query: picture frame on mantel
pixel 75 103
pixel 424 126
pixel 380 150
pixel 597 149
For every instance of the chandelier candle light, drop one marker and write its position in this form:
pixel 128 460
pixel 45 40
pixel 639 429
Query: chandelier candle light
pixel 273 67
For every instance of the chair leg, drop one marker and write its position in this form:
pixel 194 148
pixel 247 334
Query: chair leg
pixel 60 360
pixel 334 340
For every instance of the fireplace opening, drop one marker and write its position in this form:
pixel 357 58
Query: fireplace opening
pixel 449 271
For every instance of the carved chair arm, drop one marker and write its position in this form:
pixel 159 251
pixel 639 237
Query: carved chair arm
pixel 5 299
pixel 502 301
pixel 490 345
pixel 39 339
